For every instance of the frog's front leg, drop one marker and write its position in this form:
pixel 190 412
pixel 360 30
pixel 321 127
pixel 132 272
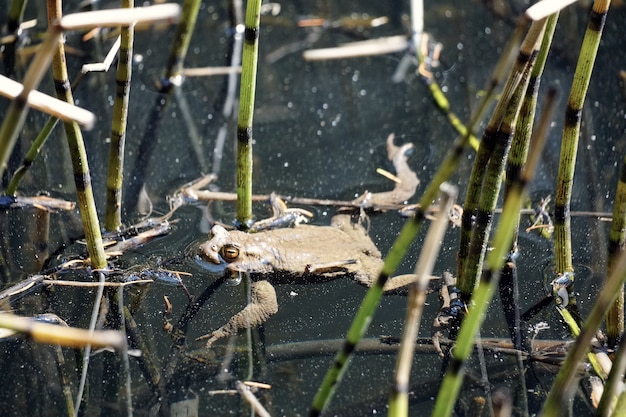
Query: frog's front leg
pixel 281 216
pixel 263 304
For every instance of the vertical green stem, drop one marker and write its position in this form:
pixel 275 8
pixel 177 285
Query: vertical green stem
pixel 182 38
pixel 486 175
pixel 86 203
pixel 14 19
pixel 482 295
pixel 113 218
pixel 34 150
pixel 399 398
pixel 16 114
pixel 565 382
pixel 569 144
pixel 246 110
pixel 148 144
pixel 617 246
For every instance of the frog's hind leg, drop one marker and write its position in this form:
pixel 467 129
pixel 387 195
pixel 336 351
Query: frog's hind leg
pixel 262 305
pixel 400 284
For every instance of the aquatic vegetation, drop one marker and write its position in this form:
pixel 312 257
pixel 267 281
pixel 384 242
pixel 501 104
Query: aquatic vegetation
pixel 321 87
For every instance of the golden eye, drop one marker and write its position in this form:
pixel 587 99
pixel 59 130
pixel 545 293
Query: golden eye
pixel 229 252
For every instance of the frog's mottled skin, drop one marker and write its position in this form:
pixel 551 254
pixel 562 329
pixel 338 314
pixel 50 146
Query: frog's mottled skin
pixel 298 254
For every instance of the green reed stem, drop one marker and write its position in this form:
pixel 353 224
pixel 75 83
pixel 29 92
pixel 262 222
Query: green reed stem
pixel 16 11
pixel 399 398
pixel 444 105
pixel 182 38
pixel 147 144
pixel 246 110
pixel 524 125
pixel 572 324
pixel 113 216
pixel 32 153
pixel 368 306
pixel 569 145
pixel 617 246
pixel 620 406
pixel 16 114
pixel 565 382
pixel 488 168
pixel 14 19
pixel 86 203
pixel 500 71
pixel 482 295
pixel 515 162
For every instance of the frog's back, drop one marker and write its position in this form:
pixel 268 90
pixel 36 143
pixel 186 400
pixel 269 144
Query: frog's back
pixel 322 252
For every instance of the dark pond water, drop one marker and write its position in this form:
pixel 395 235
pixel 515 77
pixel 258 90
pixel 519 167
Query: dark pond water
pixel 319 131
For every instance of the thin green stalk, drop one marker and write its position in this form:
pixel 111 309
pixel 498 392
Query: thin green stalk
pixel 368 306
pixel 564 385
pixel 86 203
pixel 14 19
pixel 620 406
pixel 417 22
pixel 399 398
pixel 16 114
pixel 181 39
pixel 617 246
pixel 487 143
pixel 524 126
pixel 488 168
pixel 569 146
pixel 171 79
pixel 508 288
pixel 246 110
pixel 482 295
pixel 34 150
pixel 113 217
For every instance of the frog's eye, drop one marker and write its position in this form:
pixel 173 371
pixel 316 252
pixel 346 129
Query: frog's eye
pixel 230 252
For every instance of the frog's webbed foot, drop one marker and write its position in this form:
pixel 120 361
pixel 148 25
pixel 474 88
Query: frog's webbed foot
pixel 263 304
pixel 406 179
pixel 451 310
pixel 281 216
pixel 399 285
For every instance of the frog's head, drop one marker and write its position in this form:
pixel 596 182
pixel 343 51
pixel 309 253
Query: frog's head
pixel 218 252
pixel 228 252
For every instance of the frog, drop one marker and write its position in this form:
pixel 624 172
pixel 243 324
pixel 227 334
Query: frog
pixel 302 253
pixel 295 255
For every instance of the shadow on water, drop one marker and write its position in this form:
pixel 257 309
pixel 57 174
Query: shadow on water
pixel 320 130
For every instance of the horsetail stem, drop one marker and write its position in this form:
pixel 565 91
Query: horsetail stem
pixel 246 110
pixel 569 146
pixel 617 245
pixel 16 114
pixel 615 381
pixel 182 38
pixel 483 293
pixel 86 203
pixel 399 398
pixel 564 384
pixel 368 306
pixel 488 168
pixel 171 79
pixel 113 216
pixel 32 153
pixel 14 19
pixel 515 162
